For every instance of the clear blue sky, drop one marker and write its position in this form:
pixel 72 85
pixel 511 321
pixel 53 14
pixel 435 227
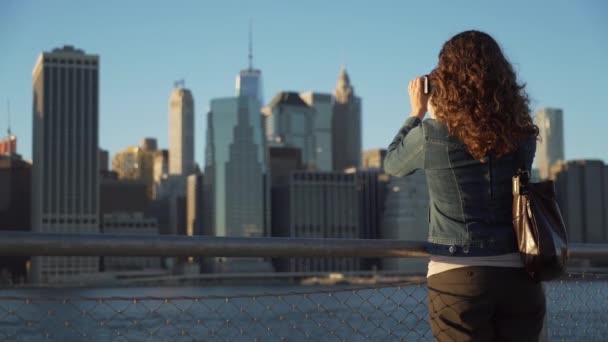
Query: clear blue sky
pixel 559 48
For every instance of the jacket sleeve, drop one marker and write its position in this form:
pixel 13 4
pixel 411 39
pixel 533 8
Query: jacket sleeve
pixel 406 153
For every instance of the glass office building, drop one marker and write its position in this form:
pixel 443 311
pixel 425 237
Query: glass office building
pixel 236 189
pixel 291 121
pixel 249 83
pixel 323 116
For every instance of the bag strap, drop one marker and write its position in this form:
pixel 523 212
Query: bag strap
pixel 520 160
pixel 522 175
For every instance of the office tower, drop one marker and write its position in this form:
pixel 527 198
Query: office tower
pixel 15 214
pixel 249 81
pixel 194 199
pixel 550 148
pixel 127 163
pixel 318 205
pixel 65 188
pixel 406 211
pixel 131 223
pixel 136 163
pixel 173 190
pixel 346 125
pixel 373 159
pixel 323 116
pixel 283 160
pixel 194 218
pixel 236 188
pixel 104 158
pixel 181 131
pixel 290 121
pixel 581 188
pixel 371 188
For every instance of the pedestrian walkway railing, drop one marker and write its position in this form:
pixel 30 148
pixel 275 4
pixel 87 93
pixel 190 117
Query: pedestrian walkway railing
pixel 577 304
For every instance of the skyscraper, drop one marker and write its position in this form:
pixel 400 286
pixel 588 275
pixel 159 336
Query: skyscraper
pixel 173 190
pixel 249 81
pixel 194 202
pixel 550 148
pixel 15 213
pixel 65 187
pixel 581 188
pixel 137 163
pixel 181 131
pixel 318 205
pixel 236 186
pixel 290 121
pixel 371 189
pixel 346 125
pixel 323 114
pixel 282 161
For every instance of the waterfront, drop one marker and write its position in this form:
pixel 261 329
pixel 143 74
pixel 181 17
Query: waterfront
pixel 576 310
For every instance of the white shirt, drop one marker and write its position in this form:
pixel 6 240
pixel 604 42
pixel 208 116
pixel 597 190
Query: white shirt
pixel 441 263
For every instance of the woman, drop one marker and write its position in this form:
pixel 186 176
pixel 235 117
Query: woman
pixel 480 133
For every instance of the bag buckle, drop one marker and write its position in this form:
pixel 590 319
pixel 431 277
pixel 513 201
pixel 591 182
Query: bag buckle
pixel 520 182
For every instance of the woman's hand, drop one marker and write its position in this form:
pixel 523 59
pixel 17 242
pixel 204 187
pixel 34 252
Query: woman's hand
pixel 418 99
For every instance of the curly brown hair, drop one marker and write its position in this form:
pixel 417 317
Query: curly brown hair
pixel 476 94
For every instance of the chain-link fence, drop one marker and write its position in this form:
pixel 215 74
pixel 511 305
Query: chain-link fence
pixel 577 308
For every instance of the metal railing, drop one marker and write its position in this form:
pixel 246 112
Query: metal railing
pixel 55 244
pixel 577 304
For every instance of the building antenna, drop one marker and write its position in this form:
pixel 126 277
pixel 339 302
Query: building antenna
pixel 250 45
pixel 179 83
pixel 8 110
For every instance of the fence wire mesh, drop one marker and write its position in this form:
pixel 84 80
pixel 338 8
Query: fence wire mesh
pixel 576 309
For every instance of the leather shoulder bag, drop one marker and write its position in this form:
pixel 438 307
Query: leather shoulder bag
pixel 539 226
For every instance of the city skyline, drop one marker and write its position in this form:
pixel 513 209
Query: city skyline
pixel 378 64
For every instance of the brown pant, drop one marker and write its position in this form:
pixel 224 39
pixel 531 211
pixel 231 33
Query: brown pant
pixel 485 304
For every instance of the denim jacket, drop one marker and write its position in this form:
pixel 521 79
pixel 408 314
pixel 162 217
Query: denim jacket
pixel 470 208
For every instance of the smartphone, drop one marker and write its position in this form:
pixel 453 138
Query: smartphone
pixel 427 85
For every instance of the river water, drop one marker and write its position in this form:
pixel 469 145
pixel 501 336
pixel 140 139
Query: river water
pixel 576 310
